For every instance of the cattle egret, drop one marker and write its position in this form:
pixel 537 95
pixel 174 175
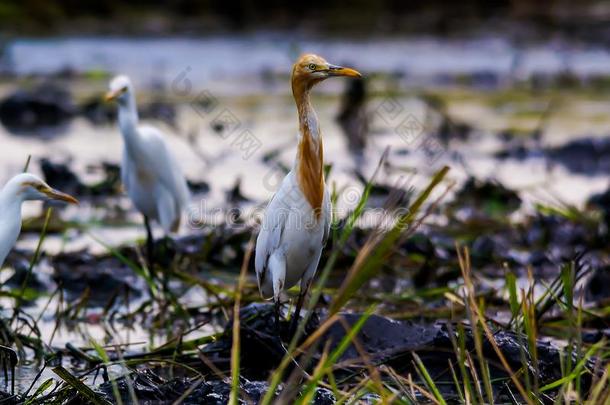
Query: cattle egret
pixel 150 174
pixel 23 187
pixel 296 223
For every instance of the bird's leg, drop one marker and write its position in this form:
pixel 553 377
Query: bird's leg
pixel 277 318
pixel 150 244
pixel 297 311
pixel 277 268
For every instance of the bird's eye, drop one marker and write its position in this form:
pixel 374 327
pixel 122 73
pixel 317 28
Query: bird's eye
pixel 312 66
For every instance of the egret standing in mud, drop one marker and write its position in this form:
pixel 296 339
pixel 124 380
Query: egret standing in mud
pixel 150 174
pixel 23 187
pixel 296 223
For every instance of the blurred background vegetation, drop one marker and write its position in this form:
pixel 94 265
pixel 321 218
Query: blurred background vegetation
pixel 587 18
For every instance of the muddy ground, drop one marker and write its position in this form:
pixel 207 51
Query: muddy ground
pixel 526 200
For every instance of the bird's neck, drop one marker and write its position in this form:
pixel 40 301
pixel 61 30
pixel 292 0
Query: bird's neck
pixel 309 165
pixel 11 200
pixel 128 123
pixel 10 218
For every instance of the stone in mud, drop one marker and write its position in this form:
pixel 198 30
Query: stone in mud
pixel 381 337
pixel 99 112
pixel 483 250
pixel 353 117
pixel 222 245
pixel 381 193
pixel 42 110
pixel 484 79
pixel 390 342
pixel 261 349
pixel 150 389
pixel 384 339
pixel 234 195
pixel 428 260
pixel 198 187
pixel 110 183
pixel 419 243
pixel 103 276
pixel 8 399
pixel 591 336
pixel 588 156
pixel 61 177
pixel 160 110
pixel 558 231
pixel 486 198
pixel 519 152
pixel 601 202
pixel 598 286
pixel 22 275
pixel 447 127
pixel 385 342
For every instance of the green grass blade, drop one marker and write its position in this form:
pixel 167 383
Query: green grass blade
pixel 236 344
pixel 428 379
pixel 360 274
pixel 310 388
pixel 43 387
pixel 136 269
pixel 578 370
pixel 79 386
pixel 101 352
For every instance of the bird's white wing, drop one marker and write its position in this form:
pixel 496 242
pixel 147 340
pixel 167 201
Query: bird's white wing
pixel 163 164
pixel 327 216
pixel 126 169
pixel 270 234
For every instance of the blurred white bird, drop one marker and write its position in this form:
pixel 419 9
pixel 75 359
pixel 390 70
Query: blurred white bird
pixel 23 187
pixel 150 174
pixel 296 223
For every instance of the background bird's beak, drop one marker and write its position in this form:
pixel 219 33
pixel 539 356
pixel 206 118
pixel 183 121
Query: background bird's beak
pixel 334 70
pixel 58 195
pixel 111 95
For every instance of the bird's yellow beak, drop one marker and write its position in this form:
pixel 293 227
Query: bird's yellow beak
pixel 111 95
pixel 334 70
pixel 59 196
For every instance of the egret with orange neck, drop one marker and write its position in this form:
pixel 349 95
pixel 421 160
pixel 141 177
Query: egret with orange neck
pixel 296 223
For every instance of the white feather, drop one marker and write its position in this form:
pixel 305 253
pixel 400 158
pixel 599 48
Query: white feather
pixel 20 188
pixel 290 240
pixel 151 175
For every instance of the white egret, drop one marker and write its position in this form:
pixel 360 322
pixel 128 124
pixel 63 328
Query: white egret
pixel 296 223
pixel 149 172
pixel 23 187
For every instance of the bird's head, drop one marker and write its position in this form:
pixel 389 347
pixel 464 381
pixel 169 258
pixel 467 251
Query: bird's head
pixel 310 69
pixel 119 89
pixel 30 187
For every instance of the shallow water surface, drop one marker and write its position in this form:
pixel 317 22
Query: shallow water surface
pixel 248 77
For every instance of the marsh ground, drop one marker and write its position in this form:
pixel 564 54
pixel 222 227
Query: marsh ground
pixel 523 130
